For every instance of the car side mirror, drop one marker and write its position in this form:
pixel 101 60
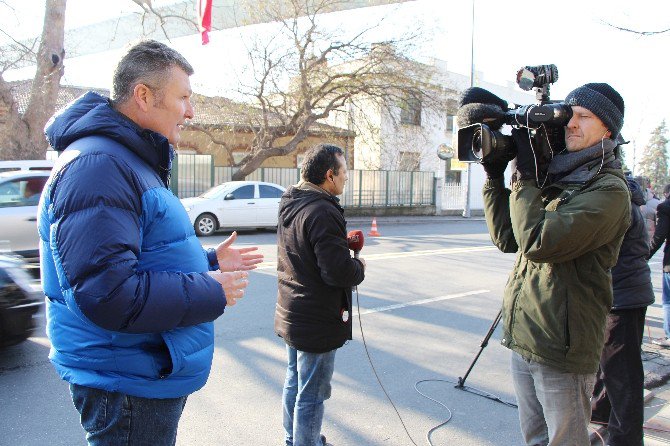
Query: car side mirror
pixel 229 197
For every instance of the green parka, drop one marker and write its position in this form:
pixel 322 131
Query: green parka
pixel 560 290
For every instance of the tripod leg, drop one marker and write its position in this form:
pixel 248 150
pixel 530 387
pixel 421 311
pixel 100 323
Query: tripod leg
pixel 485 342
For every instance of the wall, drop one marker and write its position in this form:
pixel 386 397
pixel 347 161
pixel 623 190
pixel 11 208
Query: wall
pixel 202 144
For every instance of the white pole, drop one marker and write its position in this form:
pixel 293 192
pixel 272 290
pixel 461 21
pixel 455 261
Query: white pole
pixel 466 209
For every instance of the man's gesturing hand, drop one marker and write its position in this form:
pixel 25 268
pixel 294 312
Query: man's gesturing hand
pixel 233 284
pixel 232 259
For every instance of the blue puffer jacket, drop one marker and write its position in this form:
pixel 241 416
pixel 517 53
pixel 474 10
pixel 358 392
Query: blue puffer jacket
pixel 129 300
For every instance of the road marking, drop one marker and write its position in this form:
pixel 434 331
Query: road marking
pixel 422 301
pixel 402 254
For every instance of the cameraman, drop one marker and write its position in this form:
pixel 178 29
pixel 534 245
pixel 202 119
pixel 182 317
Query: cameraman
pixel 567 236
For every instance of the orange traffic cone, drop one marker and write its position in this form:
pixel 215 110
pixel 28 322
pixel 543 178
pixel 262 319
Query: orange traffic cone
pixel 373 231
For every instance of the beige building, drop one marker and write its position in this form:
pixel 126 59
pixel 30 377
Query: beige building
pixel 221 128
pixel 225 129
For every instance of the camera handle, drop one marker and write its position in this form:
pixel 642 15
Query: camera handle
pixel 461 381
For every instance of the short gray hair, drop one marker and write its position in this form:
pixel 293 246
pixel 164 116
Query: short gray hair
pixel 148 62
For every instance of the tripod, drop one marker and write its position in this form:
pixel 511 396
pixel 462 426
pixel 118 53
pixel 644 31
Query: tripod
pixel 461 381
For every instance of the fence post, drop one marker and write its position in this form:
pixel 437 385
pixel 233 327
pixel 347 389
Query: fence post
pixel 174 176
pixel 212 171
pixel 411 187
pixel 388 187
pixel 360 188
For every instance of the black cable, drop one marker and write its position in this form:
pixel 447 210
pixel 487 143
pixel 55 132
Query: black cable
pixel 365 345
pixel 649 355
pixel 459 385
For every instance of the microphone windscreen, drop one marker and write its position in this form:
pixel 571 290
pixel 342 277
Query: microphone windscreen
pixel 480 95
pixel 491 115
pixel 355 240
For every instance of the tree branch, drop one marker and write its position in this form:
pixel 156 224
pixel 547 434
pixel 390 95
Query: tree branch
pixel 641 33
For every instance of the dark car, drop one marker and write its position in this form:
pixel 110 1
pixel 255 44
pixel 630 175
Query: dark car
pixel 19 301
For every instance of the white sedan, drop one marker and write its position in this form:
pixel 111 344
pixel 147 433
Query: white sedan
pixel 19 195
pixel 235 205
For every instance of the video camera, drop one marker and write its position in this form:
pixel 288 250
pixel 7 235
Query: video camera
pixel 483 114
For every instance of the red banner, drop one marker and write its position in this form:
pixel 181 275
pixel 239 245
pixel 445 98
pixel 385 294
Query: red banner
pixel 204 19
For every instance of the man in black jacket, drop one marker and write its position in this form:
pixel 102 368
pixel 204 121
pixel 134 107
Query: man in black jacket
pixel 618 397
pixel 662 235
pixel 315 273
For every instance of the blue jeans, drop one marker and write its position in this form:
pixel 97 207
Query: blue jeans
pixel 666 304
pixel 306 387
pixel 115 419
pixel 554 406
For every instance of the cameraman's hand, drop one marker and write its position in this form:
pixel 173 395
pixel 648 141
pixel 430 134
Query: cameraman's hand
pixel 524 166
pixel 233 284
pixel 494 169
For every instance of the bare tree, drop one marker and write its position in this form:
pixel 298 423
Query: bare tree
pixel 23 135
pixel 22 131
pixel 324 72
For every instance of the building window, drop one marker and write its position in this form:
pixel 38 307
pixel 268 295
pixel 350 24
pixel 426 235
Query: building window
pixel 450 124
pixel 410 111
pixel 409 161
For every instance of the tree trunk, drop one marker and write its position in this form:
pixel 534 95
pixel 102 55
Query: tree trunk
pixel 248 167
pixel 26 133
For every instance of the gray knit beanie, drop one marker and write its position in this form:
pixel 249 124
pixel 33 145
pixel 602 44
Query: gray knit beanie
pixel 603 101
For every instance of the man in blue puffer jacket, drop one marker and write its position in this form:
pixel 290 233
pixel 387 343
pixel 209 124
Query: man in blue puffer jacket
pixel 131 293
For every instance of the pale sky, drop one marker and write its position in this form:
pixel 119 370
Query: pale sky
pixel 508 34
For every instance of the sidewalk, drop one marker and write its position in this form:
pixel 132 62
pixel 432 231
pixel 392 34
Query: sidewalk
pixel 364 222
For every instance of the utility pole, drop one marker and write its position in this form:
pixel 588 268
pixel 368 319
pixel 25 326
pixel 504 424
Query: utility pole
pixel 466 209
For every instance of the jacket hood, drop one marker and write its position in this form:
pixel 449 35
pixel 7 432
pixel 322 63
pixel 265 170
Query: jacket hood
pixel 296 198
pixel 93 115
pixel 636 192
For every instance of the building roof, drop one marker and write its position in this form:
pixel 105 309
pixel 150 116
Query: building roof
pixel 66 94
pixel 210 111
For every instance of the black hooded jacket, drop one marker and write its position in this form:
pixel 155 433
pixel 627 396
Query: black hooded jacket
pixel 631 277
pixel 315 271
pixel 662 233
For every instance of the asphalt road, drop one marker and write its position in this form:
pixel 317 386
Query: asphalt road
pixel 432 291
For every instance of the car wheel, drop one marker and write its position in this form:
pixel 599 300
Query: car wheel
pixel 205 225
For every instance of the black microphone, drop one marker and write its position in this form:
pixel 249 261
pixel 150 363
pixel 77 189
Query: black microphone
pixel 478 105
pixel 476 113
pixel 478 95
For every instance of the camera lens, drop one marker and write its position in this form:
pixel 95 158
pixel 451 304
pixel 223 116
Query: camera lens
pixel 477 144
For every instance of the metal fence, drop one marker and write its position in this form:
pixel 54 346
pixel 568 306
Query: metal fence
pixel 383 188
pixel 453 196
pixel 194 174
pixel 277 175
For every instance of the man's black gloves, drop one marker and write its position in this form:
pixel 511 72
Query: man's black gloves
pixel 495 166
pixel 526 158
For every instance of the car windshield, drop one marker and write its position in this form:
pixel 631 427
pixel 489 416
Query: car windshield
pixel 216 190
